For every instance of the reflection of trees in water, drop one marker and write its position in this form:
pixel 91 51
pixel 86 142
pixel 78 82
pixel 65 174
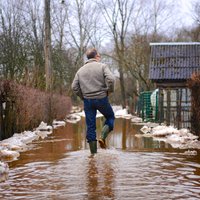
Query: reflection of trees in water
pixel 124 136
pixel 77 140
pixel 108 176
pixel 124 129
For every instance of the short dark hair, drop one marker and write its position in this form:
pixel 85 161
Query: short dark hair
pixel 91 53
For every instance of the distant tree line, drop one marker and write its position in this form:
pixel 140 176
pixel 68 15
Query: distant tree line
pixel 120 29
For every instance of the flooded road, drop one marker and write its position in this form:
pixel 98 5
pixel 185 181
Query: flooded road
pixel 59 167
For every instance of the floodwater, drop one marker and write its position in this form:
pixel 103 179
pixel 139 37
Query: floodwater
pixel 136 168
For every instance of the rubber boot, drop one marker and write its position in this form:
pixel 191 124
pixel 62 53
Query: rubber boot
pixel 93 147
pixel 104 134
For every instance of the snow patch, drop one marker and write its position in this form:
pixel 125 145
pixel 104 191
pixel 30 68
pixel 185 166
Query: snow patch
pixel 119 112
pixel 190 153
pixel 10 148
pixel 4 169
pixel 57 124
pixel 182 138
pixel 136 119
pixel 73 118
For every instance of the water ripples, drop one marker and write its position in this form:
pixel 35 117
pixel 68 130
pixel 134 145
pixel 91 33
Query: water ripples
pixel 59 170
pixel 111 174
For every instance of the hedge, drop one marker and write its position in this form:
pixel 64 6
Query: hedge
pixel 23 108
pixel 194 85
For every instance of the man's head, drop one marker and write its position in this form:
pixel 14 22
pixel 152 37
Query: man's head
pixel 92 53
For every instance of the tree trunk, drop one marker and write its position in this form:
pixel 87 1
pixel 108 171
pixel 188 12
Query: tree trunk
pixel 47 44
pixel 122 86
pixel 1 119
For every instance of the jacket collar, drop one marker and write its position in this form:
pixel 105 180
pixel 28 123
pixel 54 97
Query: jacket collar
pixel 91 60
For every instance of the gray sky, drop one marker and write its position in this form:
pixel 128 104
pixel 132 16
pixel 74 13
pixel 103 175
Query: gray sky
pixel 186 9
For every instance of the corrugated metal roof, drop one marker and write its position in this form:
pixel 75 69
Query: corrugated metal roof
pixel 173 43
pixel 172 61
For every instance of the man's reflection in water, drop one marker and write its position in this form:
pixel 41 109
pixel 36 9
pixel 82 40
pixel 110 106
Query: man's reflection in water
pixel 108 176
pixel 100 178
pixel 92 179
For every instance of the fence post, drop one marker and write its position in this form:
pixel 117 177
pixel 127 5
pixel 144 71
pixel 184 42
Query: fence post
pixel 168 107
pixel 160 106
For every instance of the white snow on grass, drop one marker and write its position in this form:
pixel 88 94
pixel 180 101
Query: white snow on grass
pixel 120 113
pixel 57 124
pixel 10 148
pixel 18 142
pixel 136 119
pixel 182 138
pixel 75 117
pixel 4 169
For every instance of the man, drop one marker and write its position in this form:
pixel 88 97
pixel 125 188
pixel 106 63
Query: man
pixel 93 83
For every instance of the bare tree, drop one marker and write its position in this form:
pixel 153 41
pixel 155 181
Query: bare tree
pixel 125 27
pixel 197 12
pixel 133 24
pixel 156 17
pixel 82 24
pixel 47 49
pixel 12 49
pixel 24 21
pixel 74 28
pixel 33 19
pixel 196 30
pixel 118 16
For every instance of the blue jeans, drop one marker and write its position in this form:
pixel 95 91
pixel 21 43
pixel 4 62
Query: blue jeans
pixel 103 106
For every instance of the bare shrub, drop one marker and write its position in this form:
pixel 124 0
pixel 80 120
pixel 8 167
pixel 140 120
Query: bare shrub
pixel 59 105
pixel 194 85
pixel 24 108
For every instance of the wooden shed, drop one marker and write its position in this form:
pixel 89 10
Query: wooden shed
pixel 171 65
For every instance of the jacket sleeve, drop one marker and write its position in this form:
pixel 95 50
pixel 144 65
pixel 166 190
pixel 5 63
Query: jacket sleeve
pixel 76 87
pixel 109 78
